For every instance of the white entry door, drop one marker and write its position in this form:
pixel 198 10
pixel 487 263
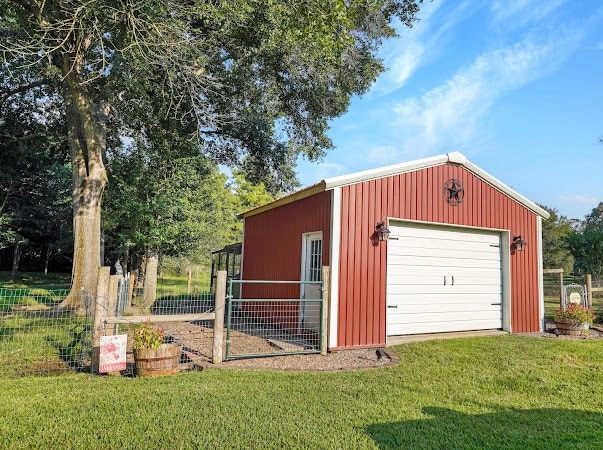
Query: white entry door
pixel 311 271
pixel 442 279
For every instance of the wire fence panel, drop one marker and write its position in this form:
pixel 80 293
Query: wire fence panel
pixel 194 336
pixel 39 337
pixel 269 324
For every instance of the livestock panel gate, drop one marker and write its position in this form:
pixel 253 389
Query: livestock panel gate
pixel 274 318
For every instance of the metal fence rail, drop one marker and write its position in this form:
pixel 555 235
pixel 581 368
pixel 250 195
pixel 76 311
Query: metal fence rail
pixel 38 337
pixel 273 325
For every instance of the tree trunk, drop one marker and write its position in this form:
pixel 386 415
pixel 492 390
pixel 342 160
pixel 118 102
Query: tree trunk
pixel 86 137
pixel 16 261
pixel 47 259
pixel 149 293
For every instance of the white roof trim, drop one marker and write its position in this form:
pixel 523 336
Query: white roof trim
pixel 382 172
pixel 506 189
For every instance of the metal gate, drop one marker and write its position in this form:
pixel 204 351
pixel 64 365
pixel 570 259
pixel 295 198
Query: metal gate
pixel 268 318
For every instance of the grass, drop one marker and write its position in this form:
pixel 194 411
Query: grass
pixel 166 285
pixel 36 280
pixel 494 392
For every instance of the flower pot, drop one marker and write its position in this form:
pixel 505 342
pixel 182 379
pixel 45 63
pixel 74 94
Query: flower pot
pixel 157 362
pixel 571 327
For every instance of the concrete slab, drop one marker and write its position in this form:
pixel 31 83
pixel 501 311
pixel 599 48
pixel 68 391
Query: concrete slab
pixel 407 339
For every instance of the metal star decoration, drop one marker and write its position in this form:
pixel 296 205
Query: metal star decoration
pixel 454 192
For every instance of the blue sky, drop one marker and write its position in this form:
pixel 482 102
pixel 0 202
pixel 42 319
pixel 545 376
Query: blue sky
pixel 515 85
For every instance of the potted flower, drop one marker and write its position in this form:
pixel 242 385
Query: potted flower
pixel 153 358
pixel 575 319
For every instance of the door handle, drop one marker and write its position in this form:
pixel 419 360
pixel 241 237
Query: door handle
pixel 444 280
pixel 453 280
pixel 496 304
pixel 392 306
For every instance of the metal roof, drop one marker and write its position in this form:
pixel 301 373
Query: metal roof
pixel 382 172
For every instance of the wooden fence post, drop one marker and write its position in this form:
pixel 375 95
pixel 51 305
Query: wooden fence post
pixel 560 272
pixel 561 287
pixel 189 279
pixel 131 284
pixel 100 314
pixel 589 289
pixel 220 307
pixel 326 306
pixel 112 302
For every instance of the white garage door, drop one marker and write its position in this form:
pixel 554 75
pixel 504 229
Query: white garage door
pixel 442 279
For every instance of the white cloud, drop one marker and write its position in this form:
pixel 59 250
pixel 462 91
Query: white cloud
pixel 404 55
pixel 523 11
pixel 448 116
pixel 580 199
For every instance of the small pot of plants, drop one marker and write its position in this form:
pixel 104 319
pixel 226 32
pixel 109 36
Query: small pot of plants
pixel 574 320
pixel 152 357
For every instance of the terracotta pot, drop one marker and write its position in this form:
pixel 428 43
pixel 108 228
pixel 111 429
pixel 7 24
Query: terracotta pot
pixel 157 362
pixel 571 327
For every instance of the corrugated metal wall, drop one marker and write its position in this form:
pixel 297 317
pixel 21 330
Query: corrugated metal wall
pixel 419 195
pixel 272 243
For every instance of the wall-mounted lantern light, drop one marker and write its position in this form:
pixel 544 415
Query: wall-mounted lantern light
pixel 382 231
pixel 519 243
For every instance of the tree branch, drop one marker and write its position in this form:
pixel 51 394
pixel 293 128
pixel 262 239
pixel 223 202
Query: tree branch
pixel 23 88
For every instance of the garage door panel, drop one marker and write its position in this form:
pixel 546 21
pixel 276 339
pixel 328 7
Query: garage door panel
pixel 479 254
pixel 445 262
pixel 447 316
pixel 442 291
pixel 423 231
pixel 422 262
pixel 443 327
pixel 419 277
pixel 438 299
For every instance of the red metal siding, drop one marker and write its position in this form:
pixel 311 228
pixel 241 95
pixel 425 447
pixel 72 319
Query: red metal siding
pixel 272 243
pixel 419 195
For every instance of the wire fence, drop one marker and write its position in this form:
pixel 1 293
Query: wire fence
pixel 39 337
pixel 195 337
pixel 554 288
pixel 273 325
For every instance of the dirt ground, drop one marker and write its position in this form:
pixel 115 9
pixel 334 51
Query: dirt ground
pixel 197 342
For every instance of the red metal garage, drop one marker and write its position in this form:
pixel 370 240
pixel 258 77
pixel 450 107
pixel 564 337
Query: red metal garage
pixel 451 262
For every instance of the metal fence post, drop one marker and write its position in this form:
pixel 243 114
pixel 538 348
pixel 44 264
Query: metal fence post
pixel 324 309
pixel 220 302
pixel 101 306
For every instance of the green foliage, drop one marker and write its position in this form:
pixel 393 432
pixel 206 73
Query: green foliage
pixel 577 313
pixel 251 85
pixel 586 243
pixel 145 335
pixel 497 392
pixel 555 250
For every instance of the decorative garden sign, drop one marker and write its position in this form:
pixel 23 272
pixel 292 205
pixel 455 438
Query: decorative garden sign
pixel 113 353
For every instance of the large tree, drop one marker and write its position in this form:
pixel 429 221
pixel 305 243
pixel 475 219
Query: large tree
pixel 254 77
pixel 555 250
pixel 586 243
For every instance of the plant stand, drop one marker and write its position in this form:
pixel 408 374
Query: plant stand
pixel 157 362
pixel 571 327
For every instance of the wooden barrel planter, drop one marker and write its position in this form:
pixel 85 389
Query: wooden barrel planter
pixel 157 362
pixel 571 327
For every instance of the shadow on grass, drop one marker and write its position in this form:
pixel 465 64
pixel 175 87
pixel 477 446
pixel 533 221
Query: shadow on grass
pixel 531 428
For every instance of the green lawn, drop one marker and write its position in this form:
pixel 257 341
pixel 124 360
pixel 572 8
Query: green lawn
pixel 36 280
pixel 495 392
pixel 166 285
